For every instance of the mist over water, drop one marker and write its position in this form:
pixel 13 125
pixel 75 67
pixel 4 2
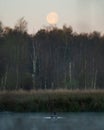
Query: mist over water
pixel 40 121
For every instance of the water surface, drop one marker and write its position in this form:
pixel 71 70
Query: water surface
pixel 43 121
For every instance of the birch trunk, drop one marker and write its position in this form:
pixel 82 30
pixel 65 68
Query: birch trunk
pixel 34 65
pixel 85 75
pixel 70 73
pixel 5 78
pixel 95 79
pixel 17 77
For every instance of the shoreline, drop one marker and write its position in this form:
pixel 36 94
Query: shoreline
pixel 52 100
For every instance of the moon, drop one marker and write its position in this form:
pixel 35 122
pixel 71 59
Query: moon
pixel 52 18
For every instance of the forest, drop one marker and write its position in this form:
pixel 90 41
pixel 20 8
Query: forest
pixel 53 58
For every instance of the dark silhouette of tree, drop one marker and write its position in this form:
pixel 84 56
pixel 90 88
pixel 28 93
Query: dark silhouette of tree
pixel 1 27
pixel 53 58
pixel 21 25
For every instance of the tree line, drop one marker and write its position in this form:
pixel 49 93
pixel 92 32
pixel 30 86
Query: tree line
pixel 52 58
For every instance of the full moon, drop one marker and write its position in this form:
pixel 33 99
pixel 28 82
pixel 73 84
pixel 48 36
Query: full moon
pixel 52 18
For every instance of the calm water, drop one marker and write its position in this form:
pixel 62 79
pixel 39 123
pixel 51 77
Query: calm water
pixel 43 121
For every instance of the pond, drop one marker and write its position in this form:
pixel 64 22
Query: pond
pixel 45 121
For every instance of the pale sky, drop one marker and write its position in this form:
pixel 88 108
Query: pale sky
pixel 82 15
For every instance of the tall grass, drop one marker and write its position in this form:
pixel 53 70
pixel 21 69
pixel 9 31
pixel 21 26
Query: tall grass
pixel 52 100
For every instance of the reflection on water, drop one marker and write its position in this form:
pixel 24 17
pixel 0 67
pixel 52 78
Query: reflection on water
pixel 43 121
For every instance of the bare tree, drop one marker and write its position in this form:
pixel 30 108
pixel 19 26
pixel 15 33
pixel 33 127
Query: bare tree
pixel 21 25
pixel 1 27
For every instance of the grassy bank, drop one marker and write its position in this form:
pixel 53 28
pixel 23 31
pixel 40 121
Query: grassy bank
pixel 48 101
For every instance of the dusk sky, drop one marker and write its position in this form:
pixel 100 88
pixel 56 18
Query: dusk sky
pixel 82 15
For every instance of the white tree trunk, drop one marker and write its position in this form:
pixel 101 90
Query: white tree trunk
pixel 95 79
pixel 85 75
pixel 5 78
pixel 17 77
pixel 70 72
pixel 34 65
